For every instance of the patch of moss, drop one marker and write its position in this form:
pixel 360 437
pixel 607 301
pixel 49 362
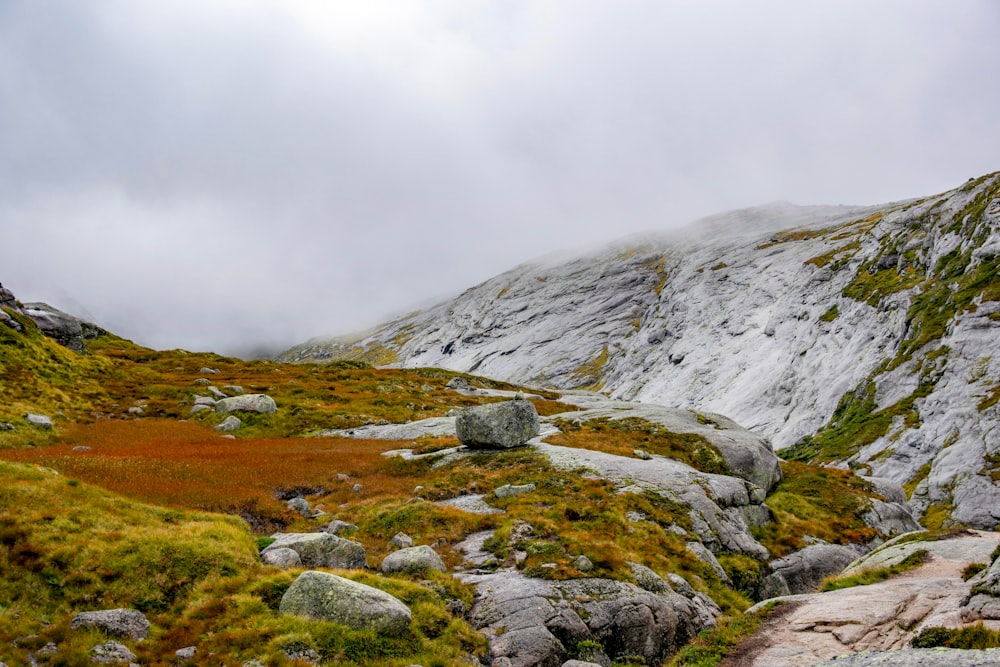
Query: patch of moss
pixel 969 637
pixel 589 375
pixel 830 315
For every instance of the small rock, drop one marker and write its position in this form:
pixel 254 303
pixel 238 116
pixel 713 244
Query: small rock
pixel 229 436
pixel 136 411
pixel 48 649
pixel 208 371
pixel 199 408
pixel 401 541
pixel 342 477
pixel 230 423
pixel 81 448
pixel 413 559
pixel 41 421
pixel 458 384
pixel 110 653
pixel 205 400
pixel 203 381
pixel 123 623
pixel 7 426
pixel 233 388
pixel 510 490
pixel 356 488
pixel 583 563
pixel 216 393
pixel 642 454
pixel 456 608
pixel 300 505
pixel 338 527
pixel 284 558
pixel 186 653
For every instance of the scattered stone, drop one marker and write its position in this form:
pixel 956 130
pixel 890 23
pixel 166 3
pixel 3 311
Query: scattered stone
pixel 41 421
pixel 458 384
pixel 498 425
pixel 328 597
pixel 401 541
pixel 343 477
pixel 412 560
pixel 284 558
pixel 7 426
pixel 229 436
pixel 357 488
pixel 230 423
pixel 186 653
pixel 510 490
pixel 203 381
pixel 300 505
pixel 321 550
pixel 456 608
pixel 233 388
pixel 81 448
pixel 338 527
pixel 642 454
pixel 301 651
pixel 208 371
pixel 583 563
pixel 123 623
pixel 136 411
pixel 199 408
pixel 216 393
pixel 48 649
pixel 253 663
pixel 110 653
pixel 261 403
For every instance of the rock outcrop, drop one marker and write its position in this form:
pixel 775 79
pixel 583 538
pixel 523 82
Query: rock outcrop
pixel 804 570
pixel 535 622
pixel 67 330
pixel 328 597
pixel 497 425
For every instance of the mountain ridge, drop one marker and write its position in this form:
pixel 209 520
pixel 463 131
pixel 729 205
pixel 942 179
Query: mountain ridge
pixel 787 332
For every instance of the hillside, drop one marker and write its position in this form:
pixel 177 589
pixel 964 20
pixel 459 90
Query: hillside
pixel 133 498
pixel 862 337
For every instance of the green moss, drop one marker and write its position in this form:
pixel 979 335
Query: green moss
pixel 830 315
pixel 590 374
pixel 911 485
pixel 969 637
pixel 711 646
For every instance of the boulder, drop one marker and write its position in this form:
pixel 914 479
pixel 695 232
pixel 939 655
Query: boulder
pixel 261 403
pixel 61 327
pixel 324 596
pixel 538 622
pixel 216 393
pixel 122 623
pixel 300 505
pixel 230 423
pixel 111 653
pixel 321 550
pixel 283 557
pixel 498 425
pixel 413 560
pixel 401 541
pixel 41 421
pixel 804 570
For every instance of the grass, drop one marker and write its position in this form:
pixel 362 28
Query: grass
pixel 827 503
pixel 711 646
pixel 877 574
pixel 589 375
pixel 969 637
pixel 623 436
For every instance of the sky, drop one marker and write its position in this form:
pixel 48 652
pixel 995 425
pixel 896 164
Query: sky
pixel 232 175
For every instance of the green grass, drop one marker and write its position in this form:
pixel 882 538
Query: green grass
pixel 969 637
pixel 875 575
pixel 711 646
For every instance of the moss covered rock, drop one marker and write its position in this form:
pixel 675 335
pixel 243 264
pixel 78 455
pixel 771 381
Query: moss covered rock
pixel 328 597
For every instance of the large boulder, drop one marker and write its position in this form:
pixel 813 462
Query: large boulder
pixel 63 328
pixel 804 570
pixel 261 403
pixel 412 560
pixel 327 597
pixel 537 622
pixel 122 623
pixel 321 550
pixel 498 425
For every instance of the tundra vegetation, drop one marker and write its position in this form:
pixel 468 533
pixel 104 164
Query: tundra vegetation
pixel 162 514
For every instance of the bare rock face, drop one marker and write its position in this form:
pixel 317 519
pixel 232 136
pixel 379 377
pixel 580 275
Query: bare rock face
pixel 65 329
pixel 498 425
pixel 804 570
pixel 328 597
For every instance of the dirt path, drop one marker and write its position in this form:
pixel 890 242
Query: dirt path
pixel 812 628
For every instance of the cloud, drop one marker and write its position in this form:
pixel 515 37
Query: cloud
pixel 222 174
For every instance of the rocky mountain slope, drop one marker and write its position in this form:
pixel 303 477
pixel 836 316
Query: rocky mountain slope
pixel 858 336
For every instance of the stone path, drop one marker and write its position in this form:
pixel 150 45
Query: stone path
pixel 808 629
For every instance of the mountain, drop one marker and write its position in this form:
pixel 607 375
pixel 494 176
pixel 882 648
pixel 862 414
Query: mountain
pixel 861 337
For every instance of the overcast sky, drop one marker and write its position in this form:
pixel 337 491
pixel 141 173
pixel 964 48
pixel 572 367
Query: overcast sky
pixel 218 174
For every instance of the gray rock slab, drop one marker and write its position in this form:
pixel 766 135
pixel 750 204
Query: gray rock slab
pixel 918 657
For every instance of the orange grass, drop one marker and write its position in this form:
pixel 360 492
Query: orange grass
pixel 182 464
